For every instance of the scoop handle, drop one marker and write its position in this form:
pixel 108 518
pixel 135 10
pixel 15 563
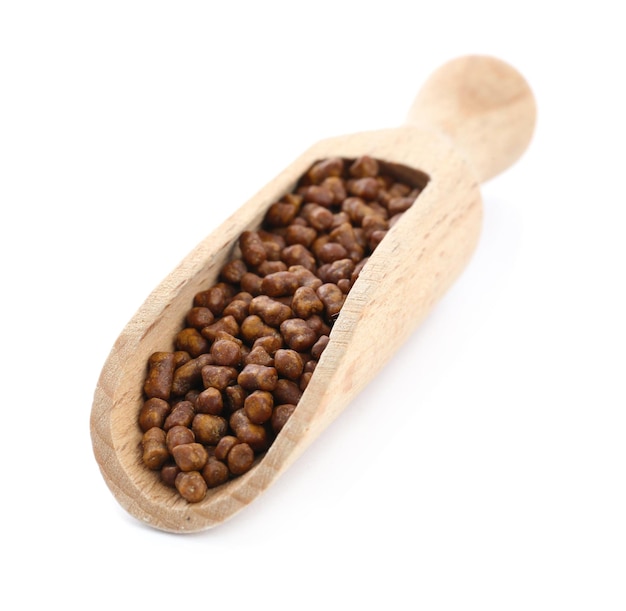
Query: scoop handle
pixel 484 105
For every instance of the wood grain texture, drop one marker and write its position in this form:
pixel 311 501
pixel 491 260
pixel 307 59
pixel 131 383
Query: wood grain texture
pixel 410 270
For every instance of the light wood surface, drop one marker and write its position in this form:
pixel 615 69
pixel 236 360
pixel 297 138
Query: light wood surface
pixel 471 120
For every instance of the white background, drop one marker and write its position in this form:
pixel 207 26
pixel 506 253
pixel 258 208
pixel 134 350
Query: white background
pixel 485 468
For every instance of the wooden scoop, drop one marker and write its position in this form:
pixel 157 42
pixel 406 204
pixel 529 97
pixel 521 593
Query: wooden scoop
pixel 472 119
